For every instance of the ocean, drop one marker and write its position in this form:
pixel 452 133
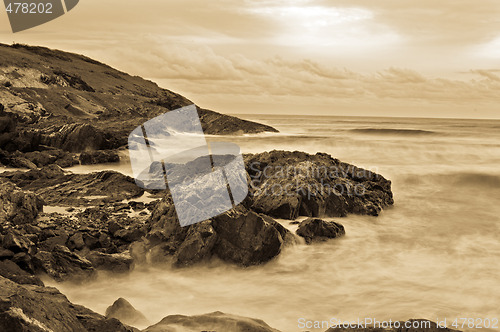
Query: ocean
pixel 435 254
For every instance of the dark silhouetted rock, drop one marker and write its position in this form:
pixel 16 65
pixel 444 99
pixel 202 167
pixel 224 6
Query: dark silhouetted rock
pixel 122 310
pixel 314 229
pixel 57 187
pixel 17 206
pixel 62 264
pixel 215 321
pixel 99 157
pixel 17 242
pixel 245 237
pixel 12 271
pixel 76 137
pixel 238 236
pixel 291 184
pixel 118 263
pixel 41 309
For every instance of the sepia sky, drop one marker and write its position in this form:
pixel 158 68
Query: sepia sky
pixel 341 57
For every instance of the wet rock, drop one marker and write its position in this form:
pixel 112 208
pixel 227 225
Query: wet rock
pixel 62 264
pixel 17 242
pixel 198 244
pixel 76 137
pixel 217 124
pixel 59 238
pixel 130 234
pixel 122 310
pixel 6 254
pixel 12 271
pixel 34 159
pixel 36 308
pixel 137 206
pixel 245 237
pixel 289 184
pixel 238 236
pixel 56 187
pixel 215 321
pixel 314 229
pixel 21 162
pixel 99 157
pixel 76 241
pixel 117 263
pixel 17 206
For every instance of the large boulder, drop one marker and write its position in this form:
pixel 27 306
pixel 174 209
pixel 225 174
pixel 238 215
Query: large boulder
pixel 238 236
pixel 41 309
pixel 246 238
pixel 62 264
pixel 287 184
pixel 122 310
pixel 315 229
pixel 76 137
pixel 117 263
pixel 17 206
pixel 215 321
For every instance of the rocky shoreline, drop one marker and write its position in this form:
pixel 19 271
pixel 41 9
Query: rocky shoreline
pixel 59 109
pixel 104 225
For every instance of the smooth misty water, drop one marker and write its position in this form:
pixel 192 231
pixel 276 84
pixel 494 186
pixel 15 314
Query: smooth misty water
pixel 435 254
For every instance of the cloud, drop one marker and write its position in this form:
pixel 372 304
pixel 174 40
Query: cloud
pixel 490 74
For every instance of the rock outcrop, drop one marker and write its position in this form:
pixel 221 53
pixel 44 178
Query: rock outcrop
pixel 25 307
pixel 57 187
pixel 122 310
pixel 315 229
pixel 17 206
pixel 99 157
pixel 238 236
pixel 215 321
pixel 290 184
pixel 74 103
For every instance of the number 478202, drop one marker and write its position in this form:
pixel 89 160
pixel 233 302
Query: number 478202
pixel 29 8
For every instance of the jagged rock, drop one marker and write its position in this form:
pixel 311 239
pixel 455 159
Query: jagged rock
pixel 41 309
pixel 130 234
pixel 99 157
pixel 122 310
pixel 238 236
pixel 62 264
pixel 214 123
pixel 16 242
pixel 288 184
pixel 314 229
pixel 215 321
pixel 76 241
pixel 76 137
pixel 12 271
pixel 17 206
pixel 245 237
pixel 57 187
pixel 118 263
pixel 198 244
pixel 54 238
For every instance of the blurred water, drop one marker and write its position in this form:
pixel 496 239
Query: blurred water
pixel 435 254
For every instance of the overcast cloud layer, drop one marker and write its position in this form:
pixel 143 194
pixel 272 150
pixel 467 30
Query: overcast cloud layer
pixel 341 57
